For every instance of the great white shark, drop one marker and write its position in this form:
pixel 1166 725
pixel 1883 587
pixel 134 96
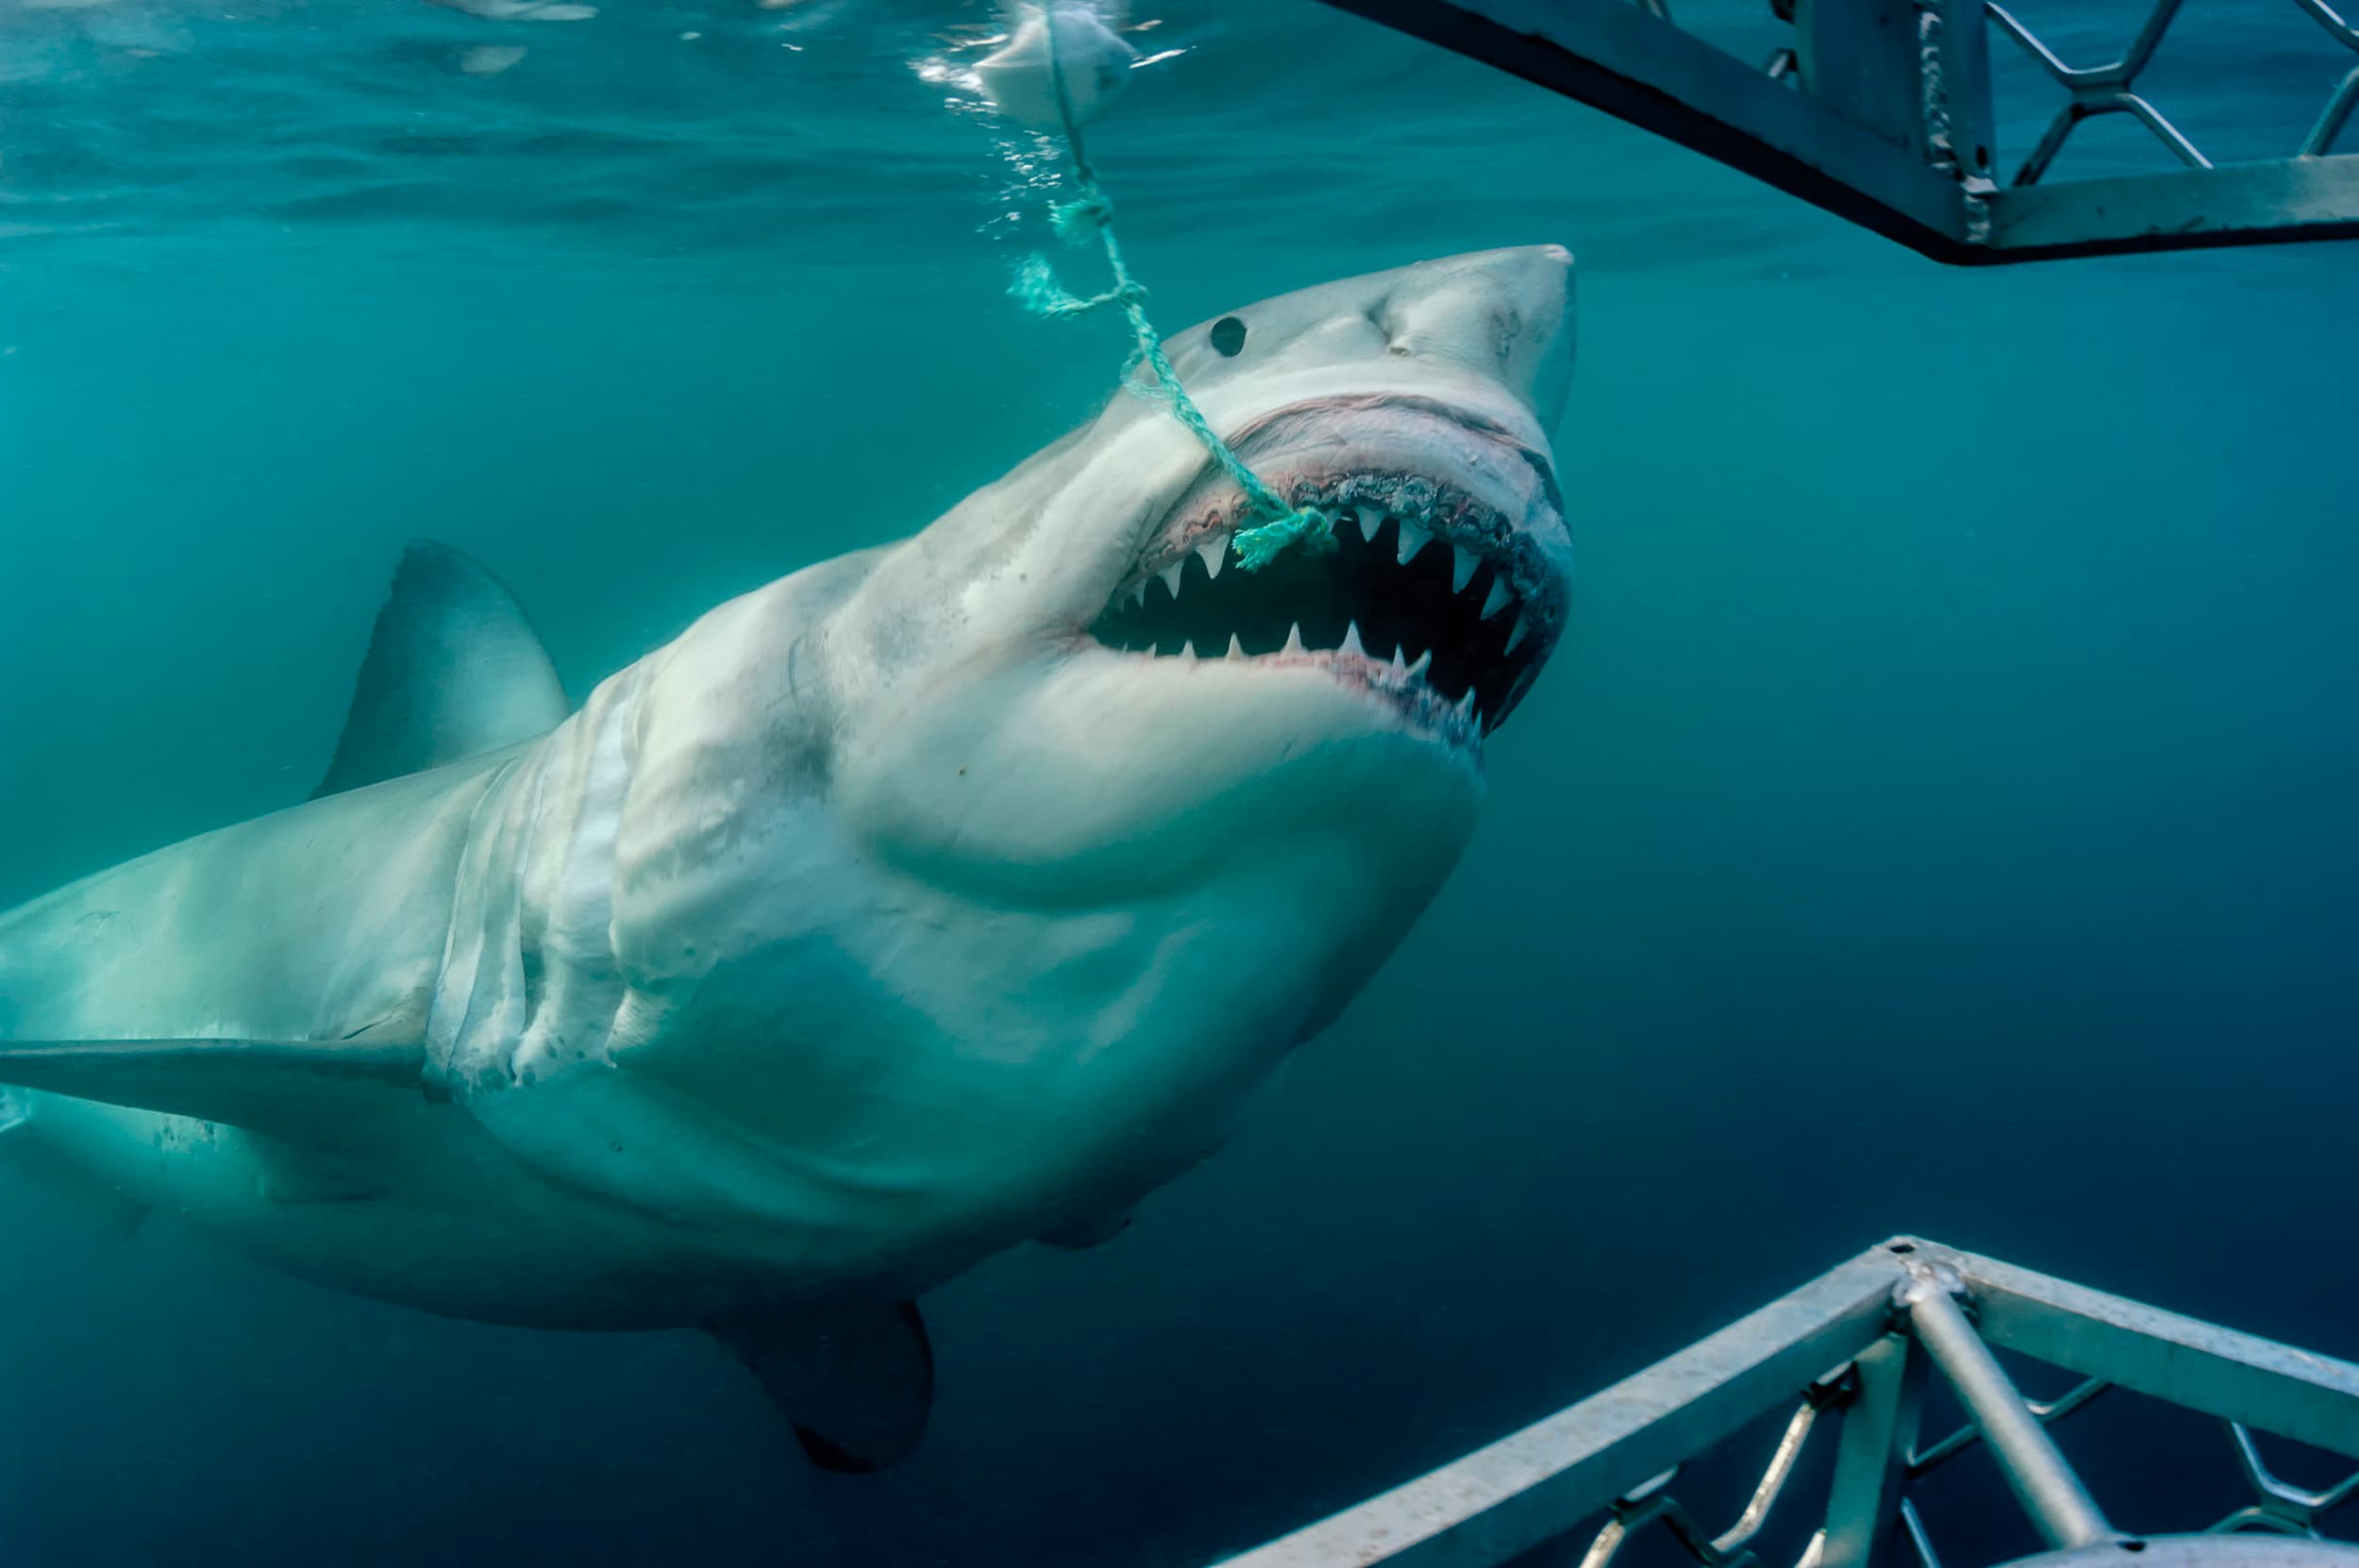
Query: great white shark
pixel 935 898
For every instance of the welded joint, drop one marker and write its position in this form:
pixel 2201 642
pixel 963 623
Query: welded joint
pixel 1933 1303
pixel 1928 1278
pixel 1974 189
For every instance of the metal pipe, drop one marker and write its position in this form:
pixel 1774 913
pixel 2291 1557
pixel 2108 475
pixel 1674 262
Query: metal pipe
pixel 2035 1467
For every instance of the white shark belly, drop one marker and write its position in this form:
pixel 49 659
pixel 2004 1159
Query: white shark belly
pixel 435 1216
pixel 1032 1073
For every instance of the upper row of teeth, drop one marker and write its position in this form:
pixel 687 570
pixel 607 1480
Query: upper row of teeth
pixel 1213 551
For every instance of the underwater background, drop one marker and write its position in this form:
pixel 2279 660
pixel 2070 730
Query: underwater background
pixel 1942 816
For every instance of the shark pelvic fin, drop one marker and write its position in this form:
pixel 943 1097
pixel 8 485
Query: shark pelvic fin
pixel 300 1091
pixel 857 1383
pixel 453 670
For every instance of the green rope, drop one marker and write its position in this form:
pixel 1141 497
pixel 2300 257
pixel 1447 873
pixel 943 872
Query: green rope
pixel 1091 217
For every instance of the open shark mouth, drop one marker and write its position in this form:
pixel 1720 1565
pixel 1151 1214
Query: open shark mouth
pixel 1430 597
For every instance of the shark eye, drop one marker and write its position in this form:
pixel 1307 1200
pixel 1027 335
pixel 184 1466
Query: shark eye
pixel 1228 336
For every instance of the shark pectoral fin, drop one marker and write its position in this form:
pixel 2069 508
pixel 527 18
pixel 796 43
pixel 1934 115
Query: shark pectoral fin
pixel 856 1383
pixel 1089 1234
pixel 453 670
pixel 296 1090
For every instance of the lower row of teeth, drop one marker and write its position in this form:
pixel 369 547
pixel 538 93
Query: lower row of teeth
pixel 1401 669
pixel 1215 549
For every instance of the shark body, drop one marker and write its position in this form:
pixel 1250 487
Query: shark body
pixel 930 900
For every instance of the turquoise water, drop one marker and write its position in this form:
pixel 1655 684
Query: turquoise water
pixel 1939 817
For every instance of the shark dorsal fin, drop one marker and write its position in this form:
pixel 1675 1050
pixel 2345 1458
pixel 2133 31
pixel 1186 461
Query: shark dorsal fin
pixel 453 670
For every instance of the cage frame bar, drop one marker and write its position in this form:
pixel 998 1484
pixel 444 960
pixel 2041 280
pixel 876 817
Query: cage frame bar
pixel 1540 1483
pixel 1880 115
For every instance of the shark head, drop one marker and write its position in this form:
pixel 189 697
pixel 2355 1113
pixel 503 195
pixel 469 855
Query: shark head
pixel 962 889
pixel 1073 694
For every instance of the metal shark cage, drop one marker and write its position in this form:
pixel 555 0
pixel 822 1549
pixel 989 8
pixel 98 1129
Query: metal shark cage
pixel 1881 112
pixel 1858 1350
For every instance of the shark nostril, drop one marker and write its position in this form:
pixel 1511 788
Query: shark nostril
pixel 1508 325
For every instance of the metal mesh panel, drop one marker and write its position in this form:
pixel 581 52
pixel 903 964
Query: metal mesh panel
pixel 2277 1505
pixel 2112 89
pixel 1652 1504
pixel 1898 1318
pixel 1882 111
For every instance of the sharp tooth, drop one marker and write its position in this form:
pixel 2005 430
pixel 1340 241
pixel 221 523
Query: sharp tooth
pixel 1461 568
pixel 1138 595
pixel 1424 663
pixel 1187 650
pixel 1522 625
pixel 1412 538
pixel 1236 649
pixel 1214 554
pixel 1293 639
pixel 1351 641
pixel 1370 519
pixel 1499 595
pixel 1401 665
pixel 1171 576
pixel 1478 721
pixel 1465 704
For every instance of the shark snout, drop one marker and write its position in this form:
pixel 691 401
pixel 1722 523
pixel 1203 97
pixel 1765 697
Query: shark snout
pixel 1505 314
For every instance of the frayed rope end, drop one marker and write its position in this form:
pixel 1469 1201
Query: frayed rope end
pixel 1311 531
pixel 1037 287
pixel 1077 222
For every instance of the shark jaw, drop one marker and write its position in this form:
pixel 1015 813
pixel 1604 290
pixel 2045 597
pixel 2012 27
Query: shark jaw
pixel 1431 599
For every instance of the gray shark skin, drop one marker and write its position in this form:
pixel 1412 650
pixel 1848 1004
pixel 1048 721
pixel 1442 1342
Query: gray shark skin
pixel 932 899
